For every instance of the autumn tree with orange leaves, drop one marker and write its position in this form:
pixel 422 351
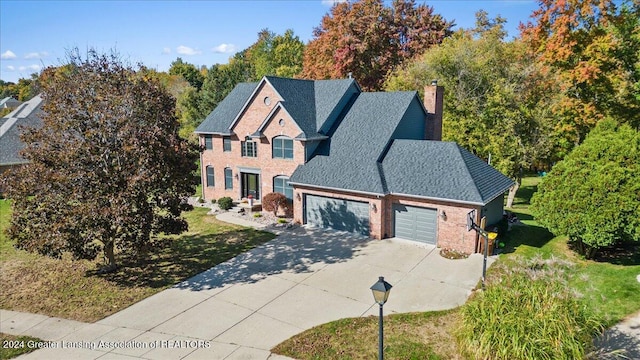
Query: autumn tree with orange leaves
pixel 589 53
pixel 369 40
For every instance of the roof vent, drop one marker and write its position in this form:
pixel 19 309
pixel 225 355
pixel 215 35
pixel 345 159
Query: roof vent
pixel 350 75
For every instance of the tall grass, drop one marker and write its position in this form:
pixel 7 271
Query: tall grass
pixel 528 311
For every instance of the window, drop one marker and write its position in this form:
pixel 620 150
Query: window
pixel 282 148
pixel 210 179
pixel 226 143
pixel 208 142
pixel 281 185
pixel 249 148
pixel 228 178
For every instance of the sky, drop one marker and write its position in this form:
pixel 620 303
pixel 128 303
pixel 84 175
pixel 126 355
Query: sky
pixel 37 34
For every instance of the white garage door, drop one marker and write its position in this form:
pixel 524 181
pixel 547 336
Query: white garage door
pixel 415 223
pixel 337 214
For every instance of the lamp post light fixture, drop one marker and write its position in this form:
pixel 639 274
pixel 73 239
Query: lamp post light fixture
pixel 381 290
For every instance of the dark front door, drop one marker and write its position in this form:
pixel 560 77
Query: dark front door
pixel 250 185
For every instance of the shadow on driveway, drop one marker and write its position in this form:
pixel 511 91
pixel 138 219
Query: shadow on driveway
pixel 294 251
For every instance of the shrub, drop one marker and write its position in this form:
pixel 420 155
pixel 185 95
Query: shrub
pixel 213 201
pixel 528 313
pixel 274 201
pixel 200 200
pixel 225 203
pixel 257 215
pixel 282 221
pixel 592 195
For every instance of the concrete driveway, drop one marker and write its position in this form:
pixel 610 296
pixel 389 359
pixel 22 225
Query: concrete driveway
pixel 242 308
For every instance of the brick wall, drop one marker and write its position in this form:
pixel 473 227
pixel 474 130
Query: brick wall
pixel 248 123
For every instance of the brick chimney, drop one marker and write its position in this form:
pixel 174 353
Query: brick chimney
pixel 433 100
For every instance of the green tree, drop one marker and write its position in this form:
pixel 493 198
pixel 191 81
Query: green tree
pixel 188 71
pixel 272 54
pixel 491 101
pixel 107 171
pixel 593 195
pixel 369 40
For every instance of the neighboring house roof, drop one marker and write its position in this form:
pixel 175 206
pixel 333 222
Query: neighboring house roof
pixel 9 102
pixel 349 159
pixel 309 102
pixel 26 115
pixel 441 170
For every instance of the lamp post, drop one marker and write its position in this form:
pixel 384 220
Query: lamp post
pixel 381 291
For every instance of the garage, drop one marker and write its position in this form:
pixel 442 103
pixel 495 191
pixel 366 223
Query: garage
pixel 415 223
pixel 337 214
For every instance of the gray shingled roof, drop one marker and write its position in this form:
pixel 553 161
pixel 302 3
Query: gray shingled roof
pixel 349 159
pixel 220 119
pixel 26 115
pixel 309 102
pixel 441 170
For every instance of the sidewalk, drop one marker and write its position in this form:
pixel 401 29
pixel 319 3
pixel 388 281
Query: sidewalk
pixel 67 340
pixel 621 341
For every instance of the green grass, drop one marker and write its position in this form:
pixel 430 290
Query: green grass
pixel 610 289
pixel 406 336
pixel 75 290
pixel 14 346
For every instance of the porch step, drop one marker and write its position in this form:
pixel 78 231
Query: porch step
pixel 236 209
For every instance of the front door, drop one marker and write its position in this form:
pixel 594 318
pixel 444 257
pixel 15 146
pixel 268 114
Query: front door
pixel 250 185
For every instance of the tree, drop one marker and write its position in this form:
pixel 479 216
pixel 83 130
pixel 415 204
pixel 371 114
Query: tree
pixel 593 195
pixel 590 50
pixel 369 40
pixel 492 106
pixel 107 171
pixel 188 71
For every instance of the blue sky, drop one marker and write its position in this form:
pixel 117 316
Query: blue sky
pixel 36 34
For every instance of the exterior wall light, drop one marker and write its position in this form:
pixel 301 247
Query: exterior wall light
pixel 443 215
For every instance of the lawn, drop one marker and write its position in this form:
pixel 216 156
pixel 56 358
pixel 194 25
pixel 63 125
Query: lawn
pixel 609 287
pixel 13 346
pixel 72 289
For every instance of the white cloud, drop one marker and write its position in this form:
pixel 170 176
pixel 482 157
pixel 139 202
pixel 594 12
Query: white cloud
pixel 166 50
pixel 33 67
pixel 36 55
pixel 224 48
pixel 11 68
pixel 332 2
pixel 8 55
pixel 185 50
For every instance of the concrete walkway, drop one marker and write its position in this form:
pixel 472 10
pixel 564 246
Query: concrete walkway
pixel 240 309
pixel 621 341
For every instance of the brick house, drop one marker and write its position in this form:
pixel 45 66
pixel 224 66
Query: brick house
pixel 370 163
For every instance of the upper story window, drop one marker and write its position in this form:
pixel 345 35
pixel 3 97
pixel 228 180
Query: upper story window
pixel 226 143
pixel 281 185
pixel 249 147
pixel 282 148
pixel 208 142
pixel 210 177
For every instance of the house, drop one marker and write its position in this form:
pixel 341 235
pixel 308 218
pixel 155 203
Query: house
pixel 25 115
pixel 9 103
pixel 363 162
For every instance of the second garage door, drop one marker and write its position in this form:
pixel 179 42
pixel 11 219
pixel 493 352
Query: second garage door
pixel 337 214
pixel 415 223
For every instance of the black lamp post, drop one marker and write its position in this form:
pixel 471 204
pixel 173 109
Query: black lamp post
pixel 381 291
